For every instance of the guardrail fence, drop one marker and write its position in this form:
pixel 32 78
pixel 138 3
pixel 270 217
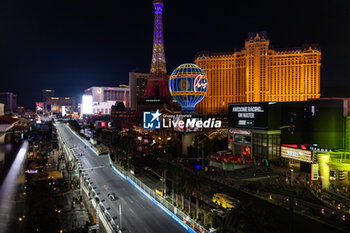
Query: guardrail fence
pixel 183 219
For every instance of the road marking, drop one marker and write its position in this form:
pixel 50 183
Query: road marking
pixel 92 168
pixel 131 211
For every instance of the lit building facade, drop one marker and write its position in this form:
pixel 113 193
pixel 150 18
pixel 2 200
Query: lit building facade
pixel 254 131
pixel 62 101
pixel 138 84
pixel 103 108
pixel 291 133
pixel 47 93
pixel 258 73
pixel 104 94
pixel 55 104
pixel 121 117
pixel 9 100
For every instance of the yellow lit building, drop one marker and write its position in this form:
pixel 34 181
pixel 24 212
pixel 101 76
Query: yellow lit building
pixel 258 73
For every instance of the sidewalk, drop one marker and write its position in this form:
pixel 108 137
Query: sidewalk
pixel 75 216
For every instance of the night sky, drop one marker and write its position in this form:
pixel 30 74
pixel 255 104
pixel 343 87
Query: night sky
pixel 71 45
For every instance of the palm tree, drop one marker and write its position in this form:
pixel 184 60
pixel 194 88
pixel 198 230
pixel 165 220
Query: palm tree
pixel 180 180
pixel 128 143
pixel 162 169
pixel 174 147
pixel 205 210
pixel 211 216
pixel 176 183
pixel 235 216
pixel 188 184
pixel 199 187
pixel 247 218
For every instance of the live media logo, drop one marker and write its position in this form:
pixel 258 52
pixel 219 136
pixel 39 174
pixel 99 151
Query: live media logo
pixel 151 120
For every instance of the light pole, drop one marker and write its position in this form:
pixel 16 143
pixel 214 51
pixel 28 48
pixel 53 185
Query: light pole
pixel 291 176
pixel 127 157
pixel 164 183
pixel 202 148
pixel 291 213
pixel 120 215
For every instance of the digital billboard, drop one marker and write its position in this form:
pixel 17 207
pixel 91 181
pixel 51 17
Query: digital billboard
pixel 296 154
pixel 63 111
pixel 39 107
pixel 248 115
pixel 87 104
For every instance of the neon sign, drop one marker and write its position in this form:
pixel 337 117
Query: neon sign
pixel 200 82
pixel 188 85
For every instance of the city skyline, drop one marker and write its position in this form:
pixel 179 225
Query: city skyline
pixel 237 119
pixel 46 45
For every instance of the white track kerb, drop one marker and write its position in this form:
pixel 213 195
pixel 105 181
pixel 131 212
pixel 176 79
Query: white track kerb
pixel 173 216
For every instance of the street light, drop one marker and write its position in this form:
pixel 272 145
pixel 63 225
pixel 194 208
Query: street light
pixel 120 215
pixel 291 176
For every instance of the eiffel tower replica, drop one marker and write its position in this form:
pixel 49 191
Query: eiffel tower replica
pixel 157 90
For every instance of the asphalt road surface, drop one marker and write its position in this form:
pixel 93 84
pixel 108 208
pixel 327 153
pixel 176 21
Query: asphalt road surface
pixel 139 214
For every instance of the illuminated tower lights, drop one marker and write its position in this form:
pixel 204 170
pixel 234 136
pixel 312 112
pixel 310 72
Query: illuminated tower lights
pixel 158 81
pixel 158 57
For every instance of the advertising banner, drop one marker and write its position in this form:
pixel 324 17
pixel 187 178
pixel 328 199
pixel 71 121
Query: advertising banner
pixel 248 115
pixel 87 104
pixel 39 107
pixel 296 154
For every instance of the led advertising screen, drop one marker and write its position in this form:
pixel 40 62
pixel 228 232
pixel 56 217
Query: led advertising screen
pixel 296 154
pixel 248 115
pixel 63 111
pixel 87 104
pixel 39 107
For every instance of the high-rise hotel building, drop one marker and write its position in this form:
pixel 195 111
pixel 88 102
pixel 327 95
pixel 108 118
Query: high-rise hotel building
pixel 259 73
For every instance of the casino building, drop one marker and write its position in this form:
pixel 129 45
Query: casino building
pixel 259 73
pixel 292 133
pixel 254 131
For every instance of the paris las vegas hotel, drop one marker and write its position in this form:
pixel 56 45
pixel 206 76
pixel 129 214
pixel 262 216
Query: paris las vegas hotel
pixel 258 73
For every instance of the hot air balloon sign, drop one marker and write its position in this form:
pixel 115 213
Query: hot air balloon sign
pixel 188 84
